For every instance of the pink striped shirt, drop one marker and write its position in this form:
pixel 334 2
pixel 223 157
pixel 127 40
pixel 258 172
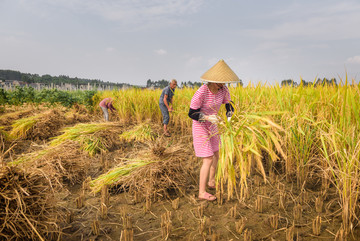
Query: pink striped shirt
pixel 206 138
pixel 105 102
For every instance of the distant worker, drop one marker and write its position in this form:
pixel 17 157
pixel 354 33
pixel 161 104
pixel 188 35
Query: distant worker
pixel 106 104
pixel 165 103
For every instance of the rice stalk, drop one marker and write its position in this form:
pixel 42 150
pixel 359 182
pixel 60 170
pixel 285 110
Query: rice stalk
pixel 242 142
pixel 21 127
pixel 76 132
pixel 142 132
pixel 93 137
pixel 115 174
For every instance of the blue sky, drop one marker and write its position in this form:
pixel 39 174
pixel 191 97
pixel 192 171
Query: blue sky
pixel 132 41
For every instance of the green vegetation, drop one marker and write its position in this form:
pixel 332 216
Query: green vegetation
pixel 51 97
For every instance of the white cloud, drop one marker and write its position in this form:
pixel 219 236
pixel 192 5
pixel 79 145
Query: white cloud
pixel 123 11
pixel 194 61
pixel 160 52
pixel 110 49
pixel 331 23
pixel 354 60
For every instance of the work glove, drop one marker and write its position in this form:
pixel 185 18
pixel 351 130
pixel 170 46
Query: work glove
pixel 213 119
pixel 229 115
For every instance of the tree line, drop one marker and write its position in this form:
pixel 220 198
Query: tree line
pixel 163 83
pixel 56 80
pixel 160 84
pixel 318 82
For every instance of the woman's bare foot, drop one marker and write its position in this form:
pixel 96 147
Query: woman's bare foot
pixel 207 196
pixel 211 185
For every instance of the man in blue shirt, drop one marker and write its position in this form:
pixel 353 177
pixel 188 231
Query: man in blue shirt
pixel 165 103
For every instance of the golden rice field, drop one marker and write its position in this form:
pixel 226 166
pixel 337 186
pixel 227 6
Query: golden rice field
pixel 288 169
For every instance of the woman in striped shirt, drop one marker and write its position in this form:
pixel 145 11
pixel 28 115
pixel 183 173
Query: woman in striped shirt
pixel 205 105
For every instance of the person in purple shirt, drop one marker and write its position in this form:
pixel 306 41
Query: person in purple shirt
pixel 106 104
pixel 165 103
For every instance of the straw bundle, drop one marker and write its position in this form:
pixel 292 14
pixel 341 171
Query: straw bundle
pixel 7 118
pixel 48 125
pixel 141 132
pixel 80 109
pixel 73 117
pixel 77 114
pixel 26 206
pixel 38 127
pixel 92 137
pixel 159 178
pixel 65 162
pixel 149 179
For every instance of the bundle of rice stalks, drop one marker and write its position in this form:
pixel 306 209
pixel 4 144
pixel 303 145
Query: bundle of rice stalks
pixel 148 179
pixel 65 162
pixel 157 147
pixel 77 114
pixel 27 206
pixel 115 174
pixel 92 137
pixel 242 142
pixel 21 127
pixel 142 132
pixel 73 117
pixel 7 118
pixel 80 109
pixel 48 125
pixel 38 127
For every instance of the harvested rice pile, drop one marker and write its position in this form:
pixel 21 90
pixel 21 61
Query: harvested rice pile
pixel 158 179
pixel 64 162
pixel 142 133
pixel 38 127
pixel 26 206
pixel 149 178
pixel 48 125
pixel 73 117
pixel 80 109
pixel 77 114
pixel 7 118
pixel 92 137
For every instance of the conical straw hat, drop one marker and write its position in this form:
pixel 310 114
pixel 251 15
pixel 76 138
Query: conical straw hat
pixel 220 73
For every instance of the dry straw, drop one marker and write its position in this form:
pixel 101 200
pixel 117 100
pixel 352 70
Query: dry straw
pixel 92 137
pixel 65 162
pixel 38 127
pixel 141 132
pixel 27 210
pixel 149 177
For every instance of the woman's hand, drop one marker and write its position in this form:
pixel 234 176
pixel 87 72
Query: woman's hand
pixel 213 119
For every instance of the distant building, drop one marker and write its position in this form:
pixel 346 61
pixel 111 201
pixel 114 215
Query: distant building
pixel 11 85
